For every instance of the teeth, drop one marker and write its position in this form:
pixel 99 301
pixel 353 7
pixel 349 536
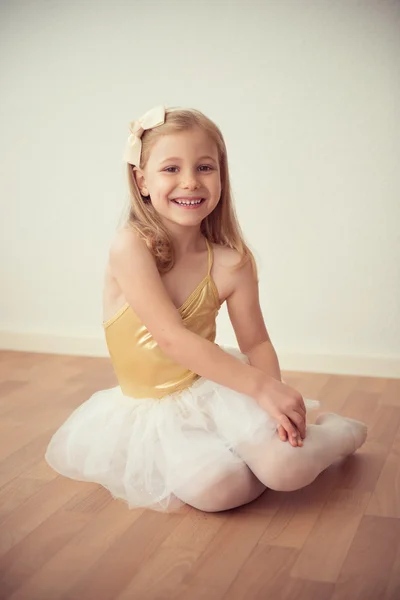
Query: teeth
pixel 187 203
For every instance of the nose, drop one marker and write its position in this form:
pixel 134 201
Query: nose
pixel 189 181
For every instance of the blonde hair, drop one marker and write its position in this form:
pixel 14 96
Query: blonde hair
pixel 220 227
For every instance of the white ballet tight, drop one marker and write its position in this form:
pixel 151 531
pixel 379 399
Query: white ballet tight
pixel 276 465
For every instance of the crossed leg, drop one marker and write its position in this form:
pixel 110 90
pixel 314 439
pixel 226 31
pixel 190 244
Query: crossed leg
pixel 223 489
pixel 274 464
pixel 282 467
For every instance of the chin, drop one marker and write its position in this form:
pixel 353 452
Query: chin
pixel 189 222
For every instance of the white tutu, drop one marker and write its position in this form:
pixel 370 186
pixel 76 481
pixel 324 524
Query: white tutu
pixel 143 450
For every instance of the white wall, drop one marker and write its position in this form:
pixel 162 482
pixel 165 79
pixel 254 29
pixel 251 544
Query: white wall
pixel 307 94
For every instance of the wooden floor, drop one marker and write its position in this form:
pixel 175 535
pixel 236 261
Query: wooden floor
pixel 337 539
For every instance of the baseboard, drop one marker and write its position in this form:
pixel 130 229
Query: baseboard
pixel 364 365
pixel 367 365
pixel 53 344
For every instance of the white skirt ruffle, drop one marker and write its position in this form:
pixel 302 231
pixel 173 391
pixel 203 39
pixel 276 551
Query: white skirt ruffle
pixel 144 450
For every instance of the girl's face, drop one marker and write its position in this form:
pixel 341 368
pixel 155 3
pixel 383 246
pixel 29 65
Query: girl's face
pixel 182 177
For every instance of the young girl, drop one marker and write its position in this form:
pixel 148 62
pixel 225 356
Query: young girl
pixel 190 422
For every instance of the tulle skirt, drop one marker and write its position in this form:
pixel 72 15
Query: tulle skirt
pixel 145 450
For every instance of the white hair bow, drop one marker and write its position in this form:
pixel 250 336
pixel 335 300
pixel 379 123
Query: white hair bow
pixel 152 118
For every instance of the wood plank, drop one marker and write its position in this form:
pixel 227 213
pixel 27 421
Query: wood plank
pixel 163 573
pixel 385 500
pixel 35 510
pixel 218 565
pixel 24 459
pixel 393 584
pixel 391 393
pixel 262 575
pixel 361 405
pixel 72 562
pixel 62 542
pixel 266 575
pixel 298 512
pixel 311 385
pixel 33 551
pixel 16 492
pixel 367 568
pixel 121 562
pixel 334 394
pixel 324 552
pixel 362 470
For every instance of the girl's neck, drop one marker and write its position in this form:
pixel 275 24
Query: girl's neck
pixel 185 239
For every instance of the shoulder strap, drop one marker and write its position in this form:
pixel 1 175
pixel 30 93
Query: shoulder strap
pixel 210 256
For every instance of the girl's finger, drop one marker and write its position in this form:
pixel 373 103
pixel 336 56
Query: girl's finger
pixel 299 421
pixel 282 433
pixel 291 430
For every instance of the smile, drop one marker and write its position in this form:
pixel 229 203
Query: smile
pixel 186 203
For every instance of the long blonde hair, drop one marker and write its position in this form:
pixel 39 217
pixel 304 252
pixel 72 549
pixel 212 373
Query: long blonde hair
pixel 221 226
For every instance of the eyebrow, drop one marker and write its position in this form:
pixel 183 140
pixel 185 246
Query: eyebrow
pixel 176 158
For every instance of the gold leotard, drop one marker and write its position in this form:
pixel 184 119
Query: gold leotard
pixel 143 370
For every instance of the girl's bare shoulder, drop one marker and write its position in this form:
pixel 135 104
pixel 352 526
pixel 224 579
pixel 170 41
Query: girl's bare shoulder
pixel 124 241
pixel 122 244
pixel 225 257
pixel 225 273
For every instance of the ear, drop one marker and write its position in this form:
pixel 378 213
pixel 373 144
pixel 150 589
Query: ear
pixel 140 180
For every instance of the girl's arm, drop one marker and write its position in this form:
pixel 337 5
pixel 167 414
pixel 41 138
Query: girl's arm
pixel 247 320
pixel 251 333
pixel 135 270
pixel 264 357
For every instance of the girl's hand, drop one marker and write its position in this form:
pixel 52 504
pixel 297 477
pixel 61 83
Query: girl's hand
pixel 286 406
pixel 283 436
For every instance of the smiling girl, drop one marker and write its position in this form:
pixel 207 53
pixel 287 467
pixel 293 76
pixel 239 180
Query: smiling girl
pixel 190 421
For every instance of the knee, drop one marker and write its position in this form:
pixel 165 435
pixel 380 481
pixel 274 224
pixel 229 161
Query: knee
pixel 210 500
pixel 207 498
pixel 221 494
pixel 287 475
pixel 283 480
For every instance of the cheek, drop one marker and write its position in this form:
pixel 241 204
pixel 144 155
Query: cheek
pixel 217 187
pixel 159 187
pixel 217 180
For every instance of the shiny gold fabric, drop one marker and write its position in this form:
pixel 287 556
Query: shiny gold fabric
pixel 143 370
